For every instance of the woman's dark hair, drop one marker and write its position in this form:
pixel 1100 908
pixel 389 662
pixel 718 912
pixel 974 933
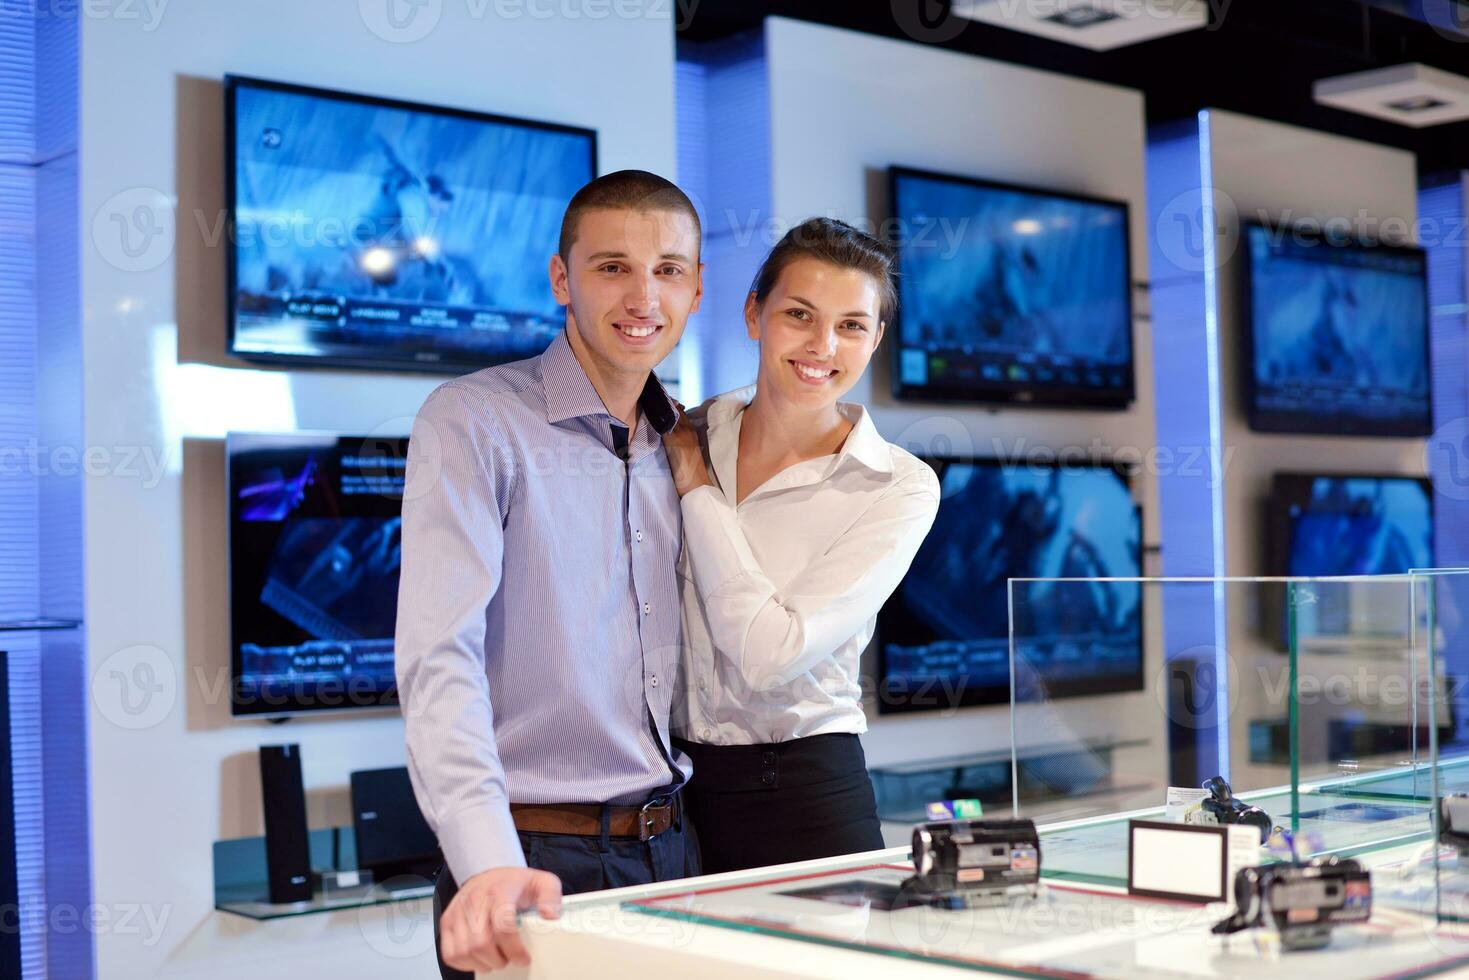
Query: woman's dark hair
pixel 841 245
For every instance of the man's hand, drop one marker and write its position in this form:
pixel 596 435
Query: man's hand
pixel 685 458
pixel 478 930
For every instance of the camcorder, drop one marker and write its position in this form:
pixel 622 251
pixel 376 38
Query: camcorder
pixel 1303 900
pixel 1225 809
pixel 1453 822
pixel 967 863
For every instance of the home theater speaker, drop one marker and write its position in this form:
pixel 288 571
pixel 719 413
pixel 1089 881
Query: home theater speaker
pixel 287 847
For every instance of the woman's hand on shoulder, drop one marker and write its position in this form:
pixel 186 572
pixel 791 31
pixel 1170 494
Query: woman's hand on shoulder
pixel 685 457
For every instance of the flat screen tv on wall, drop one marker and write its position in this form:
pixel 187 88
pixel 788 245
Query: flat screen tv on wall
pixel 1010 294
pixel 944 636
pixel 373 233
pixel 315 545
pixel 1330 525
pixel 1336 338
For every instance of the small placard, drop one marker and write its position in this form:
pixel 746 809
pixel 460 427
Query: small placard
pixel 954 810
pixel 1187 862
pixel 1184 802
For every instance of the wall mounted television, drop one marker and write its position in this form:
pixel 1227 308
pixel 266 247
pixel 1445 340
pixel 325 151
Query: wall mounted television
pixel 1329 525
pixel 1336 334
pixel 943 637
pixel 1342 524
pixel 315 534
pixel 1010 294
pixel 373 233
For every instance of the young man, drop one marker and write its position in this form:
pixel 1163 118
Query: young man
pixel 538 614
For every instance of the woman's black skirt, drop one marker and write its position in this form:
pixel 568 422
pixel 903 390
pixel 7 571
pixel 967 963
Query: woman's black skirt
pixel 756 805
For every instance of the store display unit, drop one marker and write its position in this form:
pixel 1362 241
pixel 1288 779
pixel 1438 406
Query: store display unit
pixel 1348 836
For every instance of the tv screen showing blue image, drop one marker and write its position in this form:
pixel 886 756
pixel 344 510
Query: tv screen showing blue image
pixel 373 233
pixel 1337 335
pixel 1354 525
pixel 315 548
pixel 1010 294
pixel 944 636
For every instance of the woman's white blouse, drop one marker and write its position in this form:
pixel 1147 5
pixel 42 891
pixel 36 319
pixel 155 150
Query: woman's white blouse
pixel 780 593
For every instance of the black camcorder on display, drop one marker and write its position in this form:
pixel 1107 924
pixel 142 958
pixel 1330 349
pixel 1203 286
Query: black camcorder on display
pixel 1303 900
pixel 973 862
pixel 1453 822
pixel 1224 808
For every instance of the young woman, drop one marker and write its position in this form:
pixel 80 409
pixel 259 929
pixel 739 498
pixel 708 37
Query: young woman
pixel 799 522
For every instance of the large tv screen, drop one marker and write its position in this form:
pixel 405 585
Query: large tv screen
pixel 1009 294
pixel 1337 335
pixel 314 554
pixel 375 233
pixel 944 638
pixel 1351 525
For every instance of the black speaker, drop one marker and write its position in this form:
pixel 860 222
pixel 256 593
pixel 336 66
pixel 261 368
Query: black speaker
pixel 392 837
pixel 287 846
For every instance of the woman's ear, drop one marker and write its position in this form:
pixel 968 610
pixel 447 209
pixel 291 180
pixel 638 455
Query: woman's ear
pixel 752 316
pixel 881 329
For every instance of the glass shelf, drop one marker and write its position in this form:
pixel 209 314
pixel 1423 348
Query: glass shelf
pixel 249 902
pixel 39 625
pixel 240 881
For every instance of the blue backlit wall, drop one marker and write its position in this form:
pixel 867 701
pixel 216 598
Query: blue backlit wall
pixel 724 164
pixel 45 688
pixel 1443 206
pixel 1186 347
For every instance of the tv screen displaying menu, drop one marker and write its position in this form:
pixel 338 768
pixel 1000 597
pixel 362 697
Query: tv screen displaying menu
pixel 1010 294
pixel 368 232
pixel 314 553
pixel 944 636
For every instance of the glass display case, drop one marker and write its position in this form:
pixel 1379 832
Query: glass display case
pixel 1438 875
pixel 1315 700
pixel 1330 704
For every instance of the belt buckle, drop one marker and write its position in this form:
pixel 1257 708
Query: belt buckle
pixel 645 819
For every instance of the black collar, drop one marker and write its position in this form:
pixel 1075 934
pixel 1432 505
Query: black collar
pixel 657 406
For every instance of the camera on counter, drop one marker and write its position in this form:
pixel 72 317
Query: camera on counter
pixel 1303 901
pixel 1224 808
pixel 1453 822
pixel 966 863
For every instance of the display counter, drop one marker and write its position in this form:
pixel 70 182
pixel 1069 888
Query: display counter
pixel 833 917
pixel 1323 701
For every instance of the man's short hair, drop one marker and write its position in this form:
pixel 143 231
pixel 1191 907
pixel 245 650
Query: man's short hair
pixel 625 190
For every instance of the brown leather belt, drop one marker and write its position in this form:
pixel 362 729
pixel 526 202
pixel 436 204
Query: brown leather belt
pixel 585 819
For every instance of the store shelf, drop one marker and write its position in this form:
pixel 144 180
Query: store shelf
pixel 39 625
pixel 240 883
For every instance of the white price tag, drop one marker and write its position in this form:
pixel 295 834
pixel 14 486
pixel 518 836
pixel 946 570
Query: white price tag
pixel 1182 805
